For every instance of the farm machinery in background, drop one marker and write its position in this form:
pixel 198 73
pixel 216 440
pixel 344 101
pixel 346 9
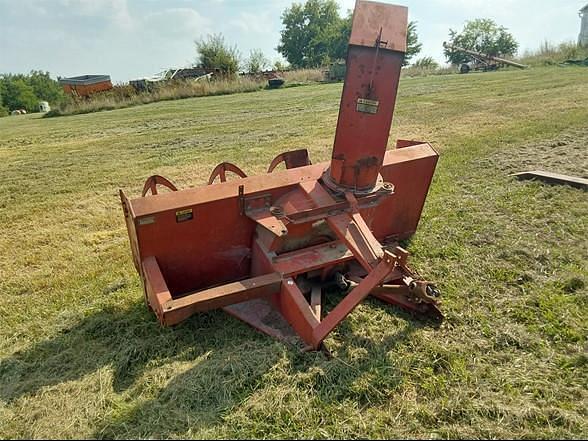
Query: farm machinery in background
pixel 177 74
pixel 268 249
pixel 480 61
pixel 335 72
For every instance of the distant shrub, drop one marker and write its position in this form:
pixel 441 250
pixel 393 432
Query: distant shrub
pixel 121 96
pixel 53 112
pixel 3 110
pixel 279 65
pixel 420 71
pixel 24 91
pixel 426 63
pixel 126 96
pixel 480 35
pixel 549 53
pixel 17 94
pixel 256 63
pixel 303 76
pixel 215 54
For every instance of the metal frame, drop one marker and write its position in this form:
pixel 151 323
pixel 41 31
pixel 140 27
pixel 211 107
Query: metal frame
pixel 264 248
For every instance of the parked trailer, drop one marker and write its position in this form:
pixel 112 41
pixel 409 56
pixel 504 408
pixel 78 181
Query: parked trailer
pixel 86 85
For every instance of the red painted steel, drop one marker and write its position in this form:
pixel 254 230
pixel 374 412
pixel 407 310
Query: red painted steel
pixel 221 170
pixel 176 310
pixel 298 312
pixel 369 18
pixel 152 182
pixel 357 294
pixel 262 247
pixel 374 58
pixel 215 246
pixel 291 159
pixel 85 90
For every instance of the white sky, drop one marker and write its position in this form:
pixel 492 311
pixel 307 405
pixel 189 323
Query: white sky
pixel 134 38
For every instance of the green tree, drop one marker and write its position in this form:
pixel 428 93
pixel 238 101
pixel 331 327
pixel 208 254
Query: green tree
pixel 481 35
pixel 340 38
pixel 280 65
pixel 17 94
pixel 413 47
pixel 3 110
pixel 20 91
pixel 214 53
pixel 257 62
pixel 426 63
pixel 45 88
pixel 314 34
pixel 311 33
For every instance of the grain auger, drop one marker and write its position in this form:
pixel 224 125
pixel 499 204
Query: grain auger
pixel 267 248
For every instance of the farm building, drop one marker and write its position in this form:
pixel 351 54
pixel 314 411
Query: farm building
pixel 583 37
pixel 86 85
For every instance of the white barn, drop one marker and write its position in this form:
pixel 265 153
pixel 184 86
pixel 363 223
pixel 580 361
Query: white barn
pixel 583 37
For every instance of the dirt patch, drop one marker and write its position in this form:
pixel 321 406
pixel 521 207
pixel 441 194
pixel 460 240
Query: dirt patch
pixel 567 154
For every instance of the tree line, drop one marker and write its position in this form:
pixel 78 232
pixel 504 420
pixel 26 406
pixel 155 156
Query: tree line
pixel 24 91
pixel 314 34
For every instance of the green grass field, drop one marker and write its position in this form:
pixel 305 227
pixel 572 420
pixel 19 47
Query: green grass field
pixel 80 355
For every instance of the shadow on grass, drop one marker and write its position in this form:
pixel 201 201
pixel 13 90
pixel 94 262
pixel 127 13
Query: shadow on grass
pixel 197 400
pixel 127 340
pixel 225 357
pixel 226 362
pixel 366 369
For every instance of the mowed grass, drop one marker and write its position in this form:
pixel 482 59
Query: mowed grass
pixel 82 357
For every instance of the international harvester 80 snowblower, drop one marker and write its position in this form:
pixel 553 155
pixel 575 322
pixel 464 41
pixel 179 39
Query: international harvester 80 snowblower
pixel 264 248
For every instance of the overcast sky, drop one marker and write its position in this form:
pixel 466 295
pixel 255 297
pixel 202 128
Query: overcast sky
pixel 135 38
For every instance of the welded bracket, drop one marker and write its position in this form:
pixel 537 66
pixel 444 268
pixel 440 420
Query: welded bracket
pixel 349 227
pixel 258 208
pixel 292 159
